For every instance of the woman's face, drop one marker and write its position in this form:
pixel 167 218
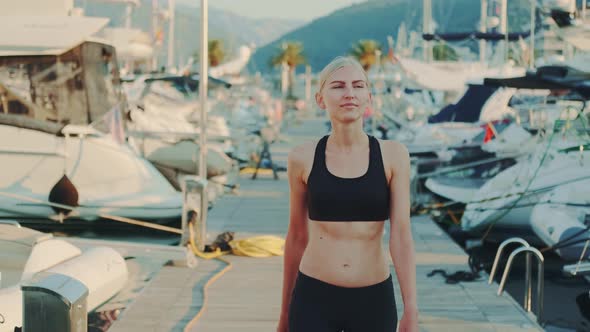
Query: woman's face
pixel 345 95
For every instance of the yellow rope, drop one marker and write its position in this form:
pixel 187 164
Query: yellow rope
pixel 257 246
pixel 209 282
pixel 453 217
pixel 251 170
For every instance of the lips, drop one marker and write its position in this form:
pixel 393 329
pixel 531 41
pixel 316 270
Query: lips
pixel 349 105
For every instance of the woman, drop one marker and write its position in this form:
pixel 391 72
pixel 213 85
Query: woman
pixel 342 189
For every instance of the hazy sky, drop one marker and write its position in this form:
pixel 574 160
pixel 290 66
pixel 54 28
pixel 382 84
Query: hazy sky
pixel 290 9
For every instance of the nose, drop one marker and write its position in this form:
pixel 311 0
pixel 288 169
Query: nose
pixel 348 92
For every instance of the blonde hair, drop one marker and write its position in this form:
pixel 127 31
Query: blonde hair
pixel 336 64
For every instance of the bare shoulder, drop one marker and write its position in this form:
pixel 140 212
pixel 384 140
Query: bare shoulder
pixel 300 158
pixel 302 152
pixel 394 152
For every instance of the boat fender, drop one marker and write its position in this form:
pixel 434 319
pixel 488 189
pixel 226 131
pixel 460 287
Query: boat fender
pixel 63 192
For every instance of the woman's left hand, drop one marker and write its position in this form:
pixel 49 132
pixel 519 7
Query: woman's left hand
pixel 409 321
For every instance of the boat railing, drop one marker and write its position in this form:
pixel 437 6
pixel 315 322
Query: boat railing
pixel 530 251
pixel 577 268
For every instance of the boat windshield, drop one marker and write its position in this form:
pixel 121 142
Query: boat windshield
pixel 77 87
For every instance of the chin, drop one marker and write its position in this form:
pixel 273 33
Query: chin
pixel 348 118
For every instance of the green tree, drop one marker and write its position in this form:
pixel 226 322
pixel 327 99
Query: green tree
pixel 365 51
pixel 292 54
pixel 216 52
pixel 443 52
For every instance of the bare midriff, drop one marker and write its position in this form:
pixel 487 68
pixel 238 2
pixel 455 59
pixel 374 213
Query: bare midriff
pixel 346 254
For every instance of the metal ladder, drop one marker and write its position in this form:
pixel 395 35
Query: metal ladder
pixel 525 247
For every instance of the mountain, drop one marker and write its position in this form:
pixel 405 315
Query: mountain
pixel 332 35
pixel 232 29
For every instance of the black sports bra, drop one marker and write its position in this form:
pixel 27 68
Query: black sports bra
pixel 332 198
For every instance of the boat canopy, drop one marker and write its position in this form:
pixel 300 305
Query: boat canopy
pixel 458 36
pixel 468 108
pixel 46 35
pixel 553 77
pixel 192 81
pixel 79 86
pixel 188 85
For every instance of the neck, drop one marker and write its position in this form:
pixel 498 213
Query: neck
pixel 348 137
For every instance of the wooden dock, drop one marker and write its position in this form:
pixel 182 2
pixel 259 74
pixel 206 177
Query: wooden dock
pixel 247 297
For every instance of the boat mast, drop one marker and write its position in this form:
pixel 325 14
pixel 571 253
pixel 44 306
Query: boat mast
pixel 427 28
pixel 503 29
pixel 483 28
pixel 203 81
pixel 171 16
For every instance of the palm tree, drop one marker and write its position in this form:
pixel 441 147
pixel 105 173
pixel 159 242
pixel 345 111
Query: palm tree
pixel 216 52
pixel 365 51
pixel 290 53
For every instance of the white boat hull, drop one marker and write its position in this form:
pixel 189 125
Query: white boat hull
pixel 503 201
pixel 109 178
pixel 553 220
pixel 27 253
pixel 462 190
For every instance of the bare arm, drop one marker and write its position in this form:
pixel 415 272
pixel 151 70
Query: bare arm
pixel 296 240
pixel 401 244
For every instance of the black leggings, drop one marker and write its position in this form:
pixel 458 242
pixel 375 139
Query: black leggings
pixel 317 306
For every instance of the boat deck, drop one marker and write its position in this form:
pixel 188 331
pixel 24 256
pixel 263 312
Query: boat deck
pixel 247 297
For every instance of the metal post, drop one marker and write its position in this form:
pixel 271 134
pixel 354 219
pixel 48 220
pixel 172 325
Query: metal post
pixel 128 12
pixel 504 27
pixel 390 51
pixel 284 88
pixel 528 283
pixel 308 86
pixel 532 36
pixel 427 28
pixel 483 28
pixel 203 82
pixel 155 23
pixel 171 10
pixel 284 78
pixel 378 93
pixel 195 204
